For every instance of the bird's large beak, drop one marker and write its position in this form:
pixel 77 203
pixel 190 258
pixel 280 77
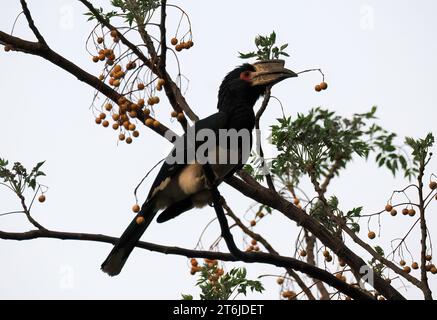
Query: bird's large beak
pixel 270 72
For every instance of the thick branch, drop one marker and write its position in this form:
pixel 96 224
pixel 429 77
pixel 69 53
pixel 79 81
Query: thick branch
pixel 45 52
pixel 360 242
pixel 260 257
pixel 423 228
pixel 274 259
pixel 273 200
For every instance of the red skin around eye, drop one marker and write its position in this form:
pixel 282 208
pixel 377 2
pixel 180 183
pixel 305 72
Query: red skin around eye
pixel 246 76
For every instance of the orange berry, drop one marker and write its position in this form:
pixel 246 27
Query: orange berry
pixel 136 208
pixel 290 295
pixel 105 123
pixel 254 242
pixel 280 281
pixel 115 116
pixel 415 265
pixel 96 59
pixel 189 44
pixel 102 116
pixel 140 86
pixel 129 140
pixel 132 127
pixel 181 116
pixel 136 134
pixel 149 122
pixel 116 83
pixel 402 263
pixel 407 269
pixel 433 185
pixel 133 114
pixel 114 33
pixel 433 270
pixel 108 107
pixel 405 211
pixel 121 137
pixel 388 208
pixel 115 126
pixel 324 86
pixel 318 88
pixel 394 213
pixel 179 48
pixel 194 262
pixel 140 220
pixel 146 112
pixel 117 68
pixel 253 223
pixel 328 259
pixel 303 253
pixel 156 123
pixel 161 82
pixel 141 102
pixel 326 253
pixel 101 77
pixel 371 235
pixel 174 114
pixel 174 41
pixel 428 257
pixel 411 212
pixel 42 198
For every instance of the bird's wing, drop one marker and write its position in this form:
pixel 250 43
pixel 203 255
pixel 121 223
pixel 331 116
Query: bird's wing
pixel 168 169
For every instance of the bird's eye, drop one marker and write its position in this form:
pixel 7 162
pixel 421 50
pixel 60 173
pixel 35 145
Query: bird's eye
pixel 246 76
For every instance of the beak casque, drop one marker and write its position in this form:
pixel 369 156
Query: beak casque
pixel 270 72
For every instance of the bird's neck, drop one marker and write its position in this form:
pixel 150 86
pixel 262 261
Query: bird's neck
pixel 239 110
pixel 241 117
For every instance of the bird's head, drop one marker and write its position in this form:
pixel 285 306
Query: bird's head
pixel 244 85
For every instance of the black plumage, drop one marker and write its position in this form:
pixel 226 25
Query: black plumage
pixel 180 187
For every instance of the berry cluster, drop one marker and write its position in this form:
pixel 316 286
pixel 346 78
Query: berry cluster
pixel 179 46
pixel 321 86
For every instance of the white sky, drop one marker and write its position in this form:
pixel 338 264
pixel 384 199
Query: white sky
pixel 373 53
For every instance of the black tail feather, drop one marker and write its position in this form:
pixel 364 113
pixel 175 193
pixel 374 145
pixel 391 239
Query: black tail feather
pixel 175 210
pixel 123 248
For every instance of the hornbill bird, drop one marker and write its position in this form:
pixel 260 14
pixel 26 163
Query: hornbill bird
pixel 182 185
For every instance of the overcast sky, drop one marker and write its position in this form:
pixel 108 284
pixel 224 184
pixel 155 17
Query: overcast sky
pixel 373 53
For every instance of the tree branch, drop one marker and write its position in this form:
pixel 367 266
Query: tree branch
pixel 32 23
pixel 267 197
pixel 48 54
pixel 275 260
pixel 268 247
pixel 263 108
pixel 310 240
pixel 423 228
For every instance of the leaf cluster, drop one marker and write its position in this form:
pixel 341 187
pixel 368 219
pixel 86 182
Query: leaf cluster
pixel 18 178
pixel 266 49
